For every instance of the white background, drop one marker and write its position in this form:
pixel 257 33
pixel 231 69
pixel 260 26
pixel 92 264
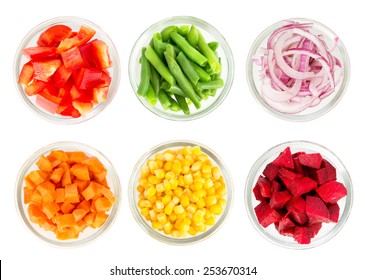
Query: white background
pixel 239 131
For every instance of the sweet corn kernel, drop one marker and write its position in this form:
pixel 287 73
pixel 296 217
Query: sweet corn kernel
pixel 145 212
pixel 196 166
pixel 202 227
pixel 173 217
pixel 196 150
pixel 168 166
pixel 207 169
pixel 200 193
pixel 170 175
pixel 216 209
pixel 159 205
pixel 204 158
pixel 210 191
pixel 175 200
pixel 156 225
pixel 169 208
pixel 198 217
pixel 160 173
pixel 176 167
pixel 153 215
pixel 180 181
pixel 159 163
pixel 159 157
pixel 167 228
pixel 152 179
pixel 162 218
pixel 192 231
pixel 208 183
pixel 166 199
pixel 151 192
pixel 186 151
pixel 160 188
pixel 173 183
pixel 211 200
pixel 185 201
pixel 168 156
pixel 143 180
pixel 184 228
pixel 200 203
pixel 179 209
pixel 191 208
pixel 145 171
pixel 152 165
pixel 185 169
pixel 210 221
pixel 178 191
pixel 144 204
pixel 188 179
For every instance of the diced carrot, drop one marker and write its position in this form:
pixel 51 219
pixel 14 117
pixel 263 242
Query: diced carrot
pixel 79 213
pixel 85 204
pixel 55 162
pixel 50 209
pixel 102 204
pixel 49 225
pixel 60 195
pixel 29 183
pixel 47 191
pixel 36 197
pixel 66 220
pixel 44 164
pixel 90 191
pixel 27 195
pixel 79 226
pixel 108 194
pixel 66 178
pixel 76 157
pixel 100 176
pixel 38 177
pixel 66 235
pixel 72 193
pixel 100 219
pixel 81 185
pixel 57 174
pixel 89 218
pixel 59 155
pixel 94 164
pixel 67 207
pixel 80 171
pixel 36 215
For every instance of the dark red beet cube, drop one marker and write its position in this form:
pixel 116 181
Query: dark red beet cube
pixel 285 159
pixel 275 187
pixel 257 193
pixel 331 170
pixel 296 210
pixel 303 235
pixel 265 186
pixel 317 211
pixel 334 211
pixel 290 175
pixel 301 186
pixel 279 199
pixel 285 226
pixel 313 160
pixel 315 228
pixel 332 191
pixel 270 171
pixel 298 168
pixel 266 215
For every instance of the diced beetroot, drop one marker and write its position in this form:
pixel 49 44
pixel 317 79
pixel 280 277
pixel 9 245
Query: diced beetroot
pixel 266 215
pixel 331 170
pixel 316 210
pixel 332 191
pixel 285 159
pixel 298 168
pixel 303 235
pixel 279 199
pixel 285 226
pixel 301 186
pixel 257 193
pixel 270 171
pixel 313 160
pixel 316 227
pixel 334 211
pixel 283 172
pixel 296 210
pixel 275 186
pixel 264 186
pixel 296 154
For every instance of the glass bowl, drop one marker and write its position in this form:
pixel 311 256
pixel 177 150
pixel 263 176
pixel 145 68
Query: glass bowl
pixel 89 234
pixel 30 40
pixel 328 230
pixel 310 108
pixel 134 194
pixel 210 34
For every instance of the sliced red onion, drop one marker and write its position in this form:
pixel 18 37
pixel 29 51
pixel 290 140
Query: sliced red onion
pixel 298 70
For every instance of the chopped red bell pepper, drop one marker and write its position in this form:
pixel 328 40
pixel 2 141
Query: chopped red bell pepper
pixel 26 74
pixel 52 36
pixel 72 59
pixel 44 69
pixel 84 35
pixel 86 78
pixel 40 52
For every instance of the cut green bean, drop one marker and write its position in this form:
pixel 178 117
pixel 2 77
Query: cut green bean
pixel 203 76
pixel 182 80
pixel 155 79
pixel 187 68
pixel 170 50
pixel 184 30
pixel 183 104
pixel 151 97
pixel 166 32
pixel 175 106
pixel 164 100
pixel 173 89
pixel 209 54
pixel 213 46
pixel 145 75
pixel 214 84
pixel 192 53
pixel 193 36
pixel 158 46
pixel 161 68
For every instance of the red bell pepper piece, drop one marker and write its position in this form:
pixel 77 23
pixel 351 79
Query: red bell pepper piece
pixel 43 69
pixel 84 35
pixel 72 59
pixel 52 36
pixel 26 74
pixel 40 52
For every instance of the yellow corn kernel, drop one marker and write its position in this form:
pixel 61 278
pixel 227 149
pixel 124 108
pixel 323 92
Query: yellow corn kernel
pixel 221 191
pixel 152 165
pixel 170 175
pixel 175 233
pixel 192 230
pixel 168 156
pixel 159 205
pixel 206 169
pixel 144 204
pixel 179 209
pixel 185 169
pixel 222 202
pixel 176 167
pixel 202 227
pixel 161 218
pixel 153 215
pixel 151 192
pixel 208 214
pixel 160 188
pixel 173 183
pixel 159 173
pixel 152 199
pixel 210 191
pixel 179 157
pixel 185 201
pixel 175 200
pixel 143 180
pixel 167 228
pixel 198 217
pixel 159 157
pixel 180 181
pixel 184 228
pixel 216 209
pixel 196 150
pixel 181 216
pixel 140 189
pixel 186 150
pixel 208 183
pixel 160 163
pixel 178 223
pixel 166 184
pixel 194 198
pixel 200 203
pixel 173 217
pixel 187 162
pixel 166 199
pixel 145 212
pixel 152 179
pixel 216 173
pixel 211 200
pixel 200 193
pixel 197 185
pixel 210 221
pixel 192 208
pixel 196 166
pixel 157 225
pixel 188 179
pixel 169 208
pixel 190 158
pixel 178 191
pixel 145 171
pixel 204 158
pixel 168 166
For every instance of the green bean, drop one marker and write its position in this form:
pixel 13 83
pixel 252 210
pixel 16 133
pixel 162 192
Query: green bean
pixel 183 104
pixel 214 84
pixel 164 100
pixel 209 54
pixel 145 75
pixel 173 89
pixel 193 36
pixel 161 68
pixel 166 32
pixel 181 79
pixel 151 96
pixel 187 68
pixel 175 106
pixel 213 46
pixel 189 51
pixel 155 79
pixel 170 50
pixel 158 46
pixel 184 30
pixel 203 76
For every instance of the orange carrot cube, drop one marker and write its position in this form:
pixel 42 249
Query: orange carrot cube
pixel 44 164
pixel 60 195
pixel 100 219
pixel 71 193
pixel 57 174
pixel 67 207
pixel 50 209
pixel 80 171
pixel 102 204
